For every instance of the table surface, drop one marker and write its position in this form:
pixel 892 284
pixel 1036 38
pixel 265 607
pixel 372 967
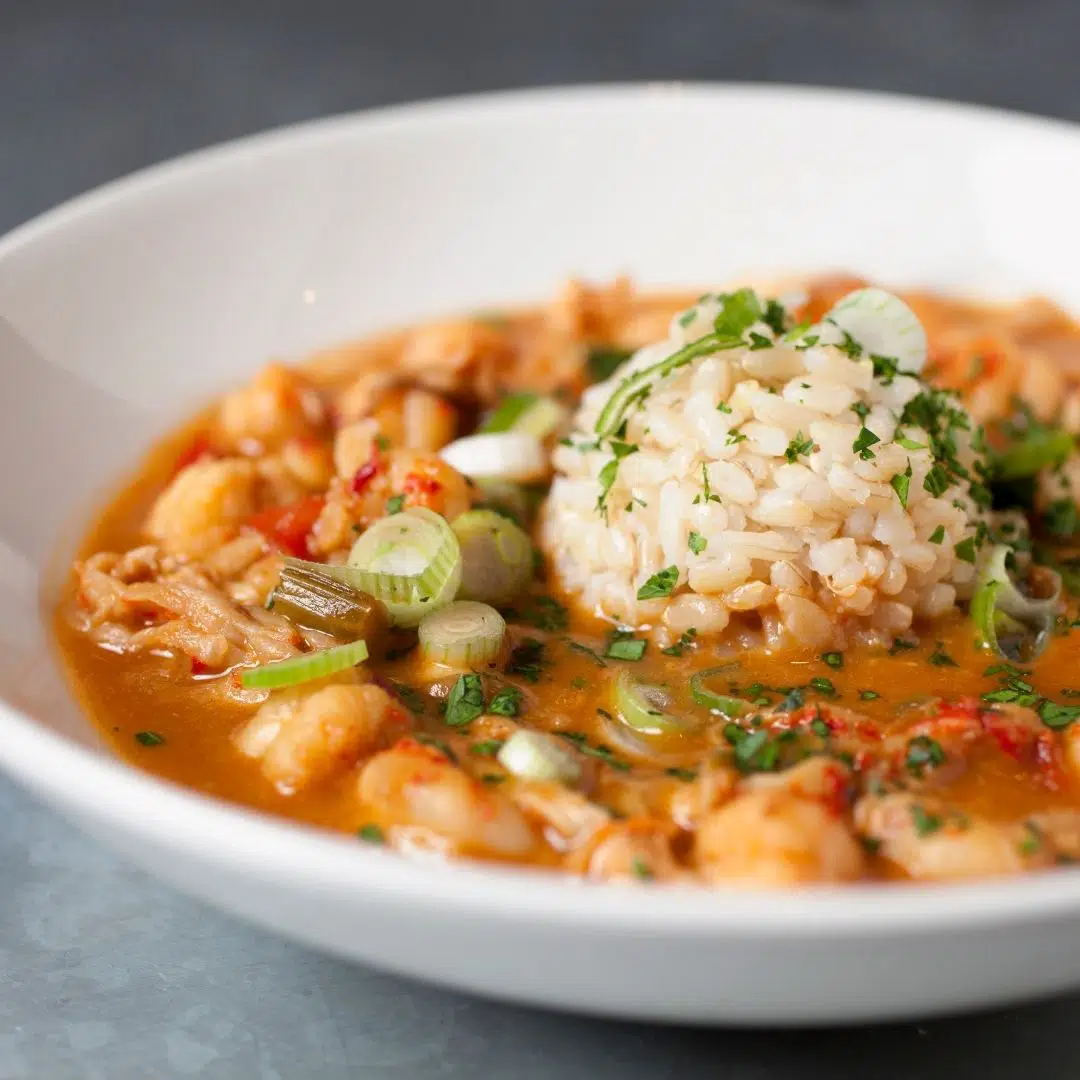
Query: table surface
pixel 106 974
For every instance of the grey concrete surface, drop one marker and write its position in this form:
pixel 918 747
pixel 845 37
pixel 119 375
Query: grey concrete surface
pixel 105 974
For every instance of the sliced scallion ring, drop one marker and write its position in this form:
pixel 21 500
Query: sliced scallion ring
pixel 644 708
pixel 304 668
pixel 505 455
pixel 308 596
pixel 884 326
pixel 532 755
pixel 409 561
pixel 532 414
pixel 714 702
pixel 464 634
pixel 1012 623
pixel 496 556
pixel 506 498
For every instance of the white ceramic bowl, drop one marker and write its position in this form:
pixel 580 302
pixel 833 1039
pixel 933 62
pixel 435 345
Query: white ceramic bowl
pixel 153 293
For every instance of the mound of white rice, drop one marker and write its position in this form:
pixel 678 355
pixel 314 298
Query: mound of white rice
pixel 748 472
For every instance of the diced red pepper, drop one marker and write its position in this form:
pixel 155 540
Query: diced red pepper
pixel 415 484
pixel 198 667
pixel 363 476
pixel 288 527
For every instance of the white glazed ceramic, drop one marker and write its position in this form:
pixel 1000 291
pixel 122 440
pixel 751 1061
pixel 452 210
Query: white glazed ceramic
pixel 151 294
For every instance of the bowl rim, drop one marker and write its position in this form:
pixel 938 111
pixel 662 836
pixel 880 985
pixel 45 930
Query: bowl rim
pixel 96 784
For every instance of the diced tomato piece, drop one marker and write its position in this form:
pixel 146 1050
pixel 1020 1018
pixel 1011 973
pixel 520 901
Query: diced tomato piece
pixel 288 527
pixel 198 667
pixel 199 449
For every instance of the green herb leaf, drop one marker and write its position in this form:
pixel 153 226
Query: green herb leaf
pixel 938 535
pixel 507 702
pixel 965 550
pixel 371 834
pixel 605 360
pixel 465 702
pixel 901 483
pixel 835 660
pixel 1054 715
pixel 686 638
pixel 527 660
pixel 680 773
pixel 824 687
pixel 395 504
pixel 936 481
pixel 940 658
pixel 486 747
pixel 739 311
pixel 149 738
pixel 799 447
pixel 624 646
pixel 925 824
pixel 863 441
pixel 868 695
pixel 923 752
pixel 696 542
pixel 662 583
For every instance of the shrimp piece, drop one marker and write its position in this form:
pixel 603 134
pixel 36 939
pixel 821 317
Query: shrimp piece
pixel 306 738
pixel 415 786
pixel 355 445
pixel 569 819
pixel 774 837
pixel 692 800
pixel 1070 742
pixel 204 503
pixel 428 421
pixel 929 843
pixel 635 850
pixel 427 480
pixel 277 405
pixel 822 778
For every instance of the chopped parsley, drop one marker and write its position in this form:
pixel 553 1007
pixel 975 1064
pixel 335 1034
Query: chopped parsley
pixel 707 493
pixel 395 504
pixel 723 407
pixel 835 660
pixel 1032 841
pixel 149 738
pixel 624 646
pixel 735 436
pixel 371 834
pixel 965 550
pixel 923 752
pixel 738 312
pixel 686 638
pixel 579 682
pixel 696 542
pixel 908 444
pixel 938 535
pixel 820 728
pixel 901 484
pixel 868 695
pixel 465 701
pixel 900 645
pixel 527 660
pixel 486 747
pixel 444 748
pixel 940 658
pixel 640 869
pixel 861 410
pixel 863 441
pixel 544 613
pixel 1054 715
pixel 681 773
pixel 936 481
pixel 824 687
pixel 926 824
pixel 798 447
pixel 661 584
pixel 578 647
pixel 507 702
pixel 382 443
pixel 607 475
pixel 600 751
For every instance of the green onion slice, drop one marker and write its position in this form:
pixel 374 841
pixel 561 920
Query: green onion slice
pixel 1039 448
pixel 714 702
pixel 636 385
pixel 644 708
pixel 883 325
pixel 503 455
pixel 410 561
pixel 304 668
pixel 496 556
pixel 531 414
pixel 510 500
pixel 307 596
pixel 1013 623
pixel 463 634
pixel 532 755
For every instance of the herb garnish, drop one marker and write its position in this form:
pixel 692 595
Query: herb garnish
pixel 835 660
pixel 395 504
pixel 937 536
pixel 940 658
pixel 863 441
pixel 486 747
pixel 624 646
pixel 868 695
pixel 149 738
pixel 686 638
pixel 661 584
pixel 901 483
pixel 465 701
pixel 923 752
pixel 604 360
pixel 696 542
pixel 371 834
pixel 412 699
pixel 600 751
pixel 527 660
pixel 798 447
pixel 926 824
pixel 507 702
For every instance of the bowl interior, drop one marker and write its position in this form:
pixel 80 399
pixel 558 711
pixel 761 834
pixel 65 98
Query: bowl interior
pixel 123 310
